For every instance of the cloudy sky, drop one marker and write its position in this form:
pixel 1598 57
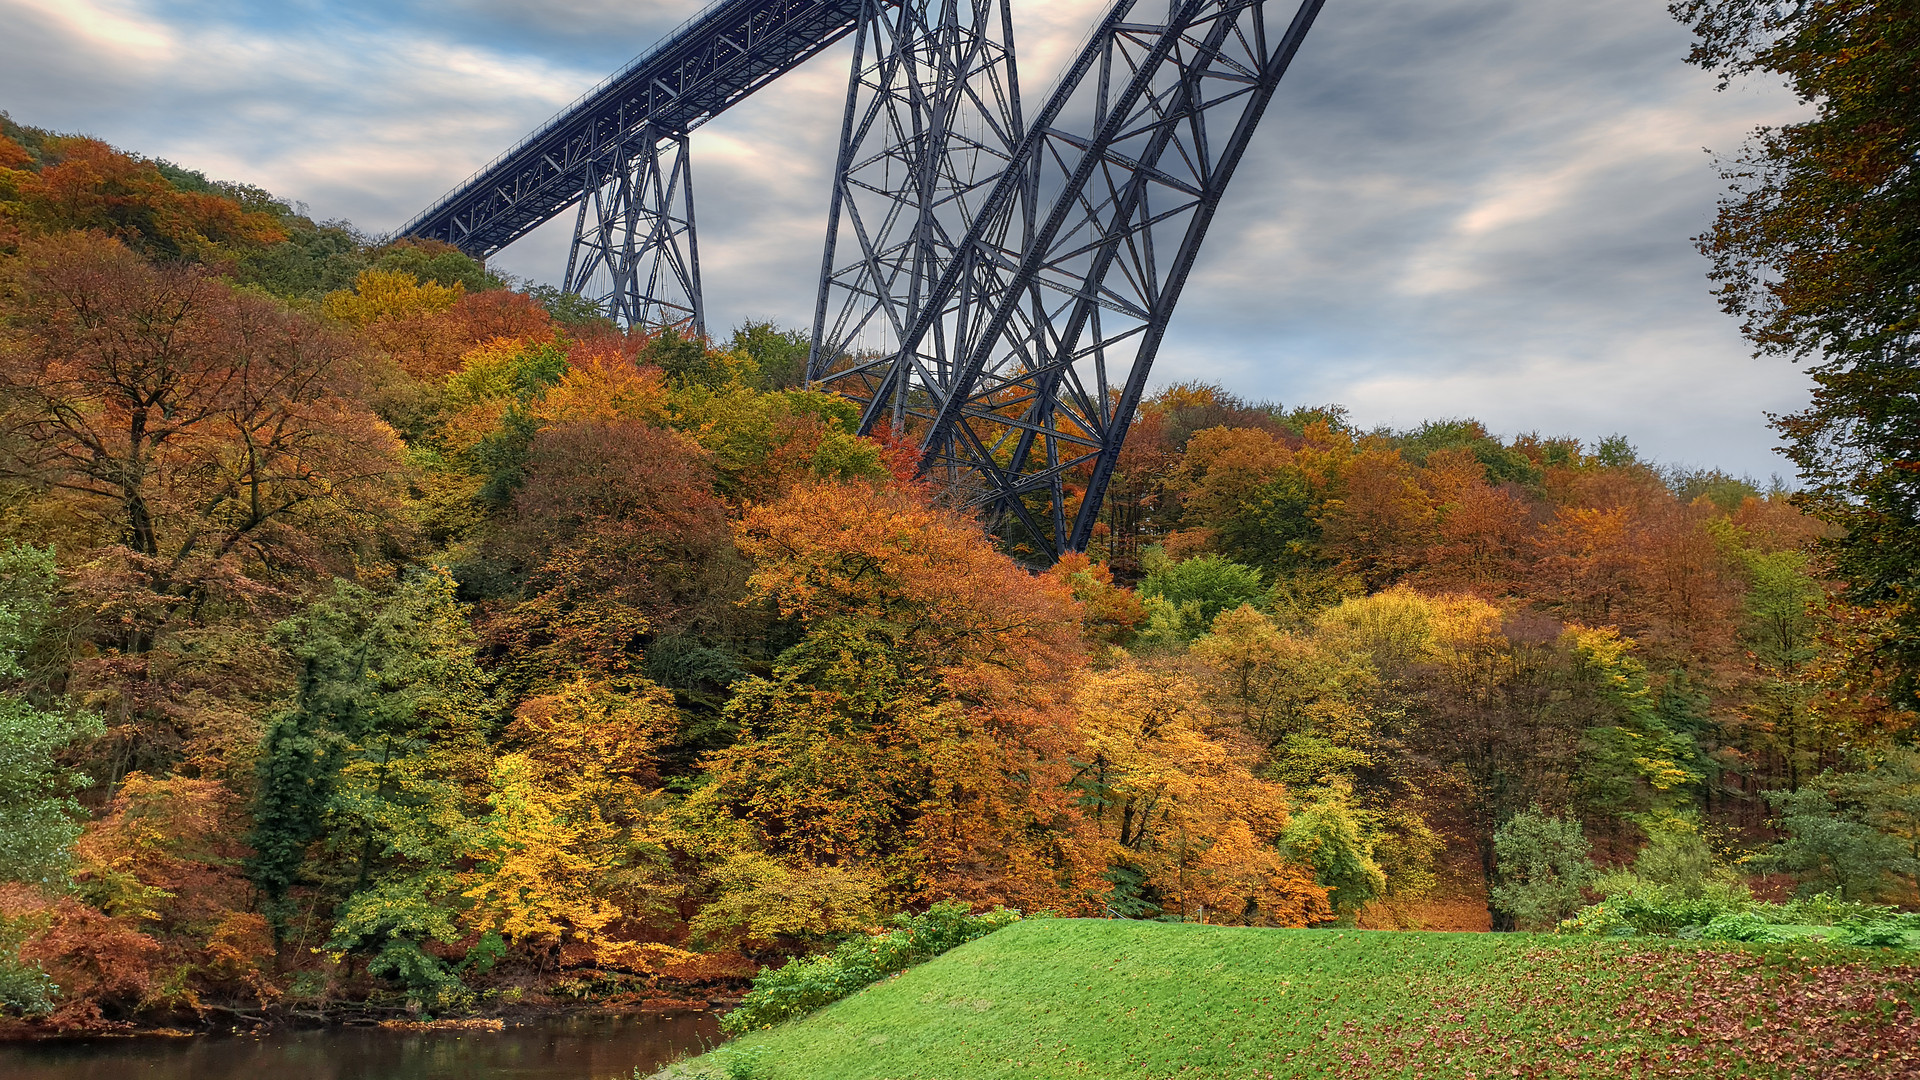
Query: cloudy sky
pixel 1453 208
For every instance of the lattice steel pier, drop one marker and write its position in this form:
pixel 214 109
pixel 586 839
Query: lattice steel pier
pixel 994 286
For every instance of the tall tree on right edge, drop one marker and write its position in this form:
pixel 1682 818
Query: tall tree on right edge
pixel 1817 251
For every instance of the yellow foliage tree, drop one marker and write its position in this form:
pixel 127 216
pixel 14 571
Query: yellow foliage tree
pixel 1335 729
pixel 763 900
pixel 1178 807
pixel 604 390
pixel 1286 685
pixel 400 315
pixel 389 295
pixel 567 857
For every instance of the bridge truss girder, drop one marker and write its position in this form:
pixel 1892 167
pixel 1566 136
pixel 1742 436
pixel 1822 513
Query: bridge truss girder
pixel 726 53
pixel 1002 288
pixel 1053 339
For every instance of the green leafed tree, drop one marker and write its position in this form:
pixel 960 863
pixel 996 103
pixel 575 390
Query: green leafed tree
pixel 779 356
pixel 41 818
pixel 1327 834
pixel 1543 869
pixel 570 309
pixel 1855 833
pixel 1183 598
pixel 431 260
pixel 360 780
pixel 1817 251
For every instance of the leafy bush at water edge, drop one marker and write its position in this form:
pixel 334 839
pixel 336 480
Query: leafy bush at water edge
pixel 808 983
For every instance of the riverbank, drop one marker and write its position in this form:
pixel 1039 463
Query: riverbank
pixel 213 1019
pixel 577 1046
pixel 1078 998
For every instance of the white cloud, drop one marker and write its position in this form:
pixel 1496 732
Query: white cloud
pixel 355 121
pixel 1453 206
pixel 643 19
pixel 117 33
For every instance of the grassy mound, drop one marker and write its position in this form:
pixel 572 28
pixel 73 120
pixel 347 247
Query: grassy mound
pixel 1085 998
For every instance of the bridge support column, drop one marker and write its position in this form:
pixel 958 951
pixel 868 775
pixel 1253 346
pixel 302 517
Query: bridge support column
pixel 1126 163
pixel 634 249
pixel 932 120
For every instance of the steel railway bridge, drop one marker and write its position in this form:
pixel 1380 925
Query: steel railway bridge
pixel 995 282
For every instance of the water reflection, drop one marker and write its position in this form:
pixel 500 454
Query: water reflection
pixel 571 1048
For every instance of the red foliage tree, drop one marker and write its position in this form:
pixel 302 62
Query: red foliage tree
pixel 619 533
pixel 88 185
pixel 103 966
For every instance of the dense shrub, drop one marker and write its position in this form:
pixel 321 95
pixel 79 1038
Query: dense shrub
pixel 808 983
pixel 1602 919
pixel 1674 887
pixel 1661 910
pixel 1653 909
pixel 1826 909
pixel 1728 915
pixel 25 989
pixel 1879 934
pixel 1543 868
pixel 1739 926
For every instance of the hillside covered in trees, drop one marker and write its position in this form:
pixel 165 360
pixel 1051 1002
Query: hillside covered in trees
pixel 378 635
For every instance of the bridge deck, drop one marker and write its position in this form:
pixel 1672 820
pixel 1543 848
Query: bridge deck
pixel 716 59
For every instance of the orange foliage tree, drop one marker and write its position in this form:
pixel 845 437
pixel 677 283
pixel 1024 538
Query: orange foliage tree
pixel 426 327
pixel 166 857
pixel 87 185
pixel 919 730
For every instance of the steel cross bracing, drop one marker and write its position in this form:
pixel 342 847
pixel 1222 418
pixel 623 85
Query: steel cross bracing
pixel 932 119
pixel 1054 337
pixel 722 55
pixel 998 293
pixel 634 248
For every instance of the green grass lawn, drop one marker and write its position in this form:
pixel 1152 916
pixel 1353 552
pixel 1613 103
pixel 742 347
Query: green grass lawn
pixel 1089 998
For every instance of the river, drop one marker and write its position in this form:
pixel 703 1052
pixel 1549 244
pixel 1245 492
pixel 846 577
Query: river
pixel 561 1048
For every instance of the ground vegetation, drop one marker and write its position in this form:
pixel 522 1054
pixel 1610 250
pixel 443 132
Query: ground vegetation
pixel 1070 997
pixel 381 638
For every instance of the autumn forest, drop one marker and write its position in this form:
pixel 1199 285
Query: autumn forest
pixel 380 636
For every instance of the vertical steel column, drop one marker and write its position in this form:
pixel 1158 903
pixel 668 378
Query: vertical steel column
pixel 932 119
pixel 634 252
pixel 1130 157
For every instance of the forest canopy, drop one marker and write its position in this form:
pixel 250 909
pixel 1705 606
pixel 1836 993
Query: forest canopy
pixel 379 631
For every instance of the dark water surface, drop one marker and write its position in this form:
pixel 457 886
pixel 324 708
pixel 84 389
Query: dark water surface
pixel 565 1048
